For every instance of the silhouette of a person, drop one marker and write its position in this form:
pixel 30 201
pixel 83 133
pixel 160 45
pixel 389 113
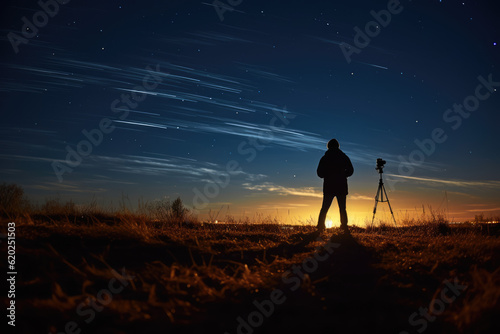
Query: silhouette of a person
pixel 334 168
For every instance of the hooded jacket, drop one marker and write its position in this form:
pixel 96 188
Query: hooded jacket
pixel 335 167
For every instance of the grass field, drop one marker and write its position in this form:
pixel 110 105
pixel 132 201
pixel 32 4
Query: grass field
pixel 89 271
pixel 113 274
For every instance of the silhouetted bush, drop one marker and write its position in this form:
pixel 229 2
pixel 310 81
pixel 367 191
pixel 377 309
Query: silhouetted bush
pixel 178 211
pixel 12 199
pixel 165 212
pixel 56 207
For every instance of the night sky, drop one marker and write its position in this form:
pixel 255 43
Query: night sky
pixel 231 109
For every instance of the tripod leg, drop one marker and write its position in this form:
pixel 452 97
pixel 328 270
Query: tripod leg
pixel 380 188
pixel 374 211
pixel 376 202
pixel 389 203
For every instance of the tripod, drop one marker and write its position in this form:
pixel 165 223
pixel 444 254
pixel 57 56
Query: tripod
pixel 380 194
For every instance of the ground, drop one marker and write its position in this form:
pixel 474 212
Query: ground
pixel 120 275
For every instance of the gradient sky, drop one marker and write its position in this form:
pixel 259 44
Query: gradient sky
pixel 231 109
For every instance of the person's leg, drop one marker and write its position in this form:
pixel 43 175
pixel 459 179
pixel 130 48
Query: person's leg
pixel 341 199
pixel 327 201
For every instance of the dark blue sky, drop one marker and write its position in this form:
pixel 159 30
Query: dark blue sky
pixel 170 94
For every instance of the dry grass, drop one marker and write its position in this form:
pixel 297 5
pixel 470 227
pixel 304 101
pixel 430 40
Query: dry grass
pixel 189 276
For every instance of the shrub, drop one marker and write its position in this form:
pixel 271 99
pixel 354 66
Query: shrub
pixel 178 211
pixel 56 207
pixel 12 199
pixel 166 212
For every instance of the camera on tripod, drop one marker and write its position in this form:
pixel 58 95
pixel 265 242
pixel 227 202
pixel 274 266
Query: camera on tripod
pixel 381 193
pixel 380 165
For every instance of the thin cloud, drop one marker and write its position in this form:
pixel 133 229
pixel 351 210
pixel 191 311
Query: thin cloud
pixel 482 210
pixel 459 183
pixel 66 187
pixel 361 197
pixel 303 191
pixel 270 187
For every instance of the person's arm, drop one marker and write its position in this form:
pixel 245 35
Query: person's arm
pixel 349 168
pixel 321 168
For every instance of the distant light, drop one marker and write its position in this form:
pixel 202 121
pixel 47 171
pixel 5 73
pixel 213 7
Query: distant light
pixel 495 43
